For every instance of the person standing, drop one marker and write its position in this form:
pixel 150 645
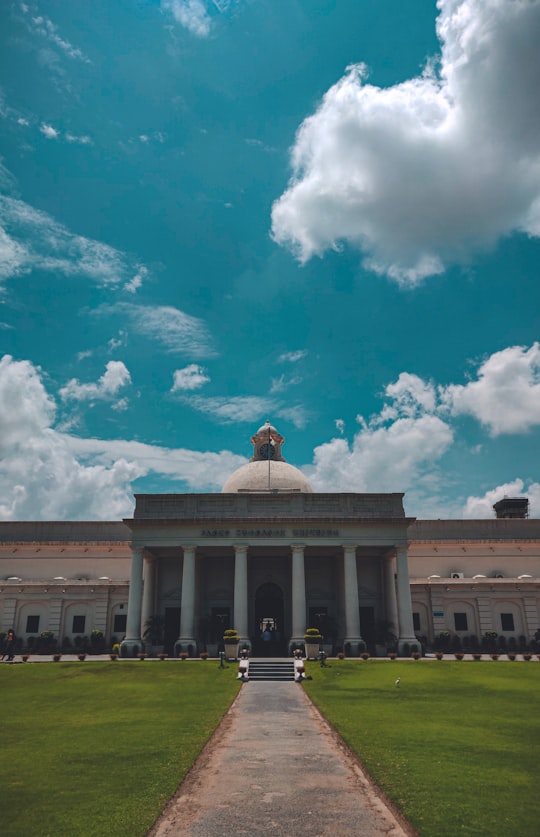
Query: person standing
pixel 10 646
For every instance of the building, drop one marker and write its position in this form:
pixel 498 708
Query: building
pixel 269 553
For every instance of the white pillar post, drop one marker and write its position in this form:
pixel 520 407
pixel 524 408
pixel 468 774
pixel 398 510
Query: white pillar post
pixel 352 610
pixel 240 614
pixel 390 596
pixel 406 628
pixel 132 643
pixel 149 590
pixel 298 594
pixel 187 605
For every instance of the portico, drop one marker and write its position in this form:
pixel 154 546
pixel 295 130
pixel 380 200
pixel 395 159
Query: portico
pixel 334 561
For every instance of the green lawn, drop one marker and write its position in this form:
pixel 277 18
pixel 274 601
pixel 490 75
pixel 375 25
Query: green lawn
pixel 455 746
pixel 97 748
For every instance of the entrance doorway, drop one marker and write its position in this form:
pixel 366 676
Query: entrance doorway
pixel 268 639
pixel 171 629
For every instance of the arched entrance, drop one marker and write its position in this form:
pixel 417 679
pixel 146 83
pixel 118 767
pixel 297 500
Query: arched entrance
pixel 268 639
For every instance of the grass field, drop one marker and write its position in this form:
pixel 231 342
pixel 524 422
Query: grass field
pixel 455 746
pixel 96 748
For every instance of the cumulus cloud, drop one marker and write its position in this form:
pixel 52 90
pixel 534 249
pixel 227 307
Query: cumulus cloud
pixel 174 329
pixel 505 398
pixel 427 172
pixel 39 476
pixel 192 14
pixel 49 132
pixel 391 458
pixel 115 377
pixel 482 507
pixel 33 240
pixel 190 377
pixel 49 475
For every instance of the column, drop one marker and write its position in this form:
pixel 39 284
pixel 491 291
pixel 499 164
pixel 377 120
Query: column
pixel 298 595
pixel 132 643
pixel 149 591
pixel 390 596
pixel 406 629
pixel 187 612
pixel 352 608
pixel 240 613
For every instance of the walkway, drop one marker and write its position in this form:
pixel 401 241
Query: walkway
pixel 274 767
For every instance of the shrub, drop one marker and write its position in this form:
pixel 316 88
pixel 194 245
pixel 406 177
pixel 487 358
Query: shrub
pixel 231 635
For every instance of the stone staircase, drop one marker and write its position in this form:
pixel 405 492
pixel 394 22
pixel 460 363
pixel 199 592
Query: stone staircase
pixel 271 670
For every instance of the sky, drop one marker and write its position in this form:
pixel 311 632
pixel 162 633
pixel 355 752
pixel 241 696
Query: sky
pixel 324 213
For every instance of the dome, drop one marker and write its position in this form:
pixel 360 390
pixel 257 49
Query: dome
pixel 254 477
pixel 267 470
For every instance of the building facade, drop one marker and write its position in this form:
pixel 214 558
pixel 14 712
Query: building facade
pixel 268 555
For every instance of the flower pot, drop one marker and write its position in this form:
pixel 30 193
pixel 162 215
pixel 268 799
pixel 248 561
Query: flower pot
pixel 312 650
pixel 113 656
pixel 81 657
pixel 459 656
pixel 231 650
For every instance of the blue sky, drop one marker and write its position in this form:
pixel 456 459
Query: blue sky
pixel 217 212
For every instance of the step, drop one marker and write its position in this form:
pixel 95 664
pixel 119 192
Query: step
pixel 271 670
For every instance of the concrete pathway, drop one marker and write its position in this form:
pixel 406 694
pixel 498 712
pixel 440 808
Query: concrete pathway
pixel 275 767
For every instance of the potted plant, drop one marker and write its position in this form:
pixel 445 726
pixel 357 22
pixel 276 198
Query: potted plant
pixel 364 655
pixel 24 658
pixel 439 655
pixel 527 657
pixel 313 639
pixel 476 655
pixel 162 656
pixel 81 657
pixel 57 658
pixel 459 655
pixel 231 638
pixel 203 655
pixel 391 655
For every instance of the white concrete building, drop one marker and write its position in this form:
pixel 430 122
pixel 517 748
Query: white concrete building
pixel 269 552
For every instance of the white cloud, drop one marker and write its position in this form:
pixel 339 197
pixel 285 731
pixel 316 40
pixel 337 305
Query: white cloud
pixel 190 377
pixel 505 398
pixel 39 476
pixel 43 26
pixel 84 139
pixel 136 282
pixel 425 173
pixel 292 357
pixel 175 330
pixel 482 507
pixel 192 14
pixel 115 377
pixel 246 408
pixel 392 458
pixel 49 475
pixel 340 426
pixel 49 132
pixel 282 383
pixel 33 240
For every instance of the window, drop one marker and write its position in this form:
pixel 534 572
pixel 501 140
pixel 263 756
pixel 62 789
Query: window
pixel 120 623
pixel 507 621
pixel 460 622
pixel 78 624
pixel 32 624
pixel 416 622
